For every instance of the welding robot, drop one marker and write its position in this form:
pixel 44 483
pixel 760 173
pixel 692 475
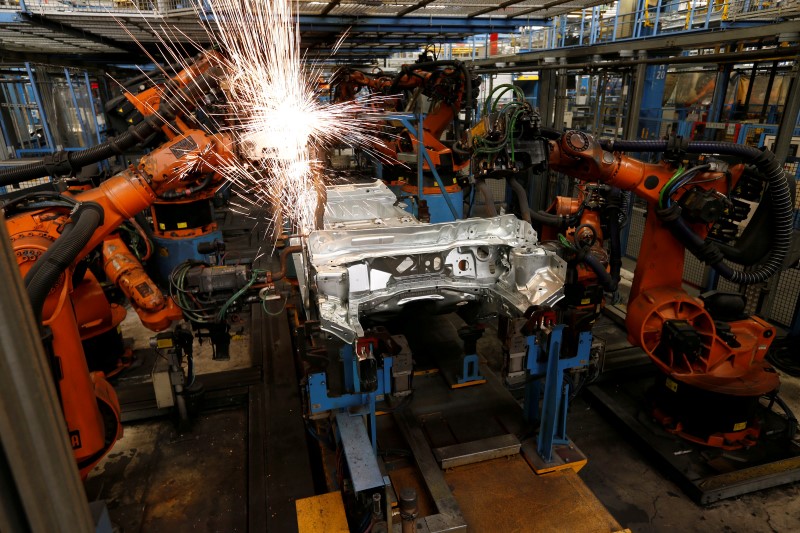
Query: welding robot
pixel 182 222
pixel 710 354
pixel 451 88
pixel 52 233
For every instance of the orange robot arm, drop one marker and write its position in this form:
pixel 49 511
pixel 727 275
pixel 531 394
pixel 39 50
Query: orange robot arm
pixel 445 86
pixel 123 269
pixel 657 296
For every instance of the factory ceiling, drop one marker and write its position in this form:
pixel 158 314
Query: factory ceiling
pixel 111 30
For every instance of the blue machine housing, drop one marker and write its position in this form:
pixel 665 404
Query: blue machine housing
pixel 169 253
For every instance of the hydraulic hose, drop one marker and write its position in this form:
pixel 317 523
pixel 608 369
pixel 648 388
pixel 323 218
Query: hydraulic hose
pixel 481 186
pixel 522 199
pixel 548 219
pixel 779 194
pixel 62 253
pixel 70 162
pixel 608 283
pixel 182 193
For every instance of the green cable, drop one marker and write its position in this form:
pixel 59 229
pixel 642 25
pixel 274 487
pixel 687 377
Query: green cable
pixel 566 242
pixel 665 188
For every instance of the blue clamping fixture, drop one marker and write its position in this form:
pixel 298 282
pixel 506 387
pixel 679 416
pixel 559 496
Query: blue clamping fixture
pixel 547 361
pixel 320 402
pixel 471 371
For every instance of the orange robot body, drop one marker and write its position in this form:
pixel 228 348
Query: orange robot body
pixel 155 310
pixel 723 369
pixel 446 89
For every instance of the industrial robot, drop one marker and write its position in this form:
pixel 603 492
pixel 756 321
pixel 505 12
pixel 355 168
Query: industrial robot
pixel 182 224
pixel 451 88
pixel 53 232
pixel 710 353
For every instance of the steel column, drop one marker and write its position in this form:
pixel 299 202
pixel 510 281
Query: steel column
pixel 546 100
pixel 720 92
pixel 765 108
pixel 783 139
pixel 635 106
pixel 561 98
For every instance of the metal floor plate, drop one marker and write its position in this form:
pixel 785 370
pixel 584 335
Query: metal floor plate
pixel 705 474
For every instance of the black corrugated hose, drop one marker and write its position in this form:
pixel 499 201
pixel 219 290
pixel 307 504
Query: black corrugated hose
pixel 62 253
pixel 777 187
pixel 70 162
pixel 522 199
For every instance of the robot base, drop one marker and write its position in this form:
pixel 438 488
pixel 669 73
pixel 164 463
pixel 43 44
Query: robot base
pixel 704 416
pixel 706 474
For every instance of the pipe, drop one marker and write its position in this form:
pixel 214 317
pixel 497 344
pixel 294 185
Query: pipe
pixel 779 194
pixel 487 197
pixel 522 199
pixel 62 253
pixel 70 162
pixel 284 257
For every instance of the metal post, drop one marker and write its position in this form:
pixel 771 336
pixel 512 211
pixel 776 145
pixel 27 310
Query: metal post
pixel 74 97
pixel 751 83
pixel 561 98
pixel 616 23
pixel 658 16
pixel 420 148
pixel 691 14
pixel 709 7
pixel 635 106
pixel 583 23
pixel 720 92
pixel 546 100
pixel 42 114
pixel 765 108
pixel 32 429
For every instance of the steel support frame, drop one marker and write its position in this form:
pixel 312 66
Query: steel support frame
pixel 424 157
pixel 550 363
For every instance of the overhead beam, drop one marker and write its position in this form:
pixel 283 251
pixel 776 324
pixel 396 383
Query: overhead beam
pixel 557 3
pixel 415 24
pixel 684 41
pixel 418 5
pixel 485 10
pixel 385 39
pixel 769 54
pixel 330 7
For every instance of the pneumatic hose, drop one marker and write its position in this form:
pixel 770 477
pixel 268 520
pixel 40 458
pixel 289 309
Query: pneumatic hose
pixel 777 187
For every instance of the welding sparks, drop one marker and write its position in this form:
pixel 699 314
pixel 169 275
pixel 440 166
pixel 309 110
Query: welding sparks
pixel 273 111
